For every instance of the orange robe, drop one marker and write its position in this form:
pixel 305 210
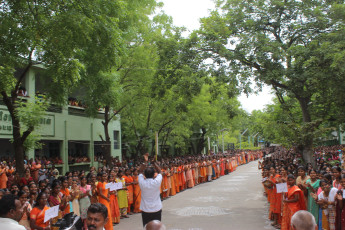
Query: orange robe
pixel 290 208
pixel 277 197
pixel 172 179
pixel 114 208
pixel 3 178
pixel 136 195
pixel 34 169
pixel 109 224
pixel 38 215
pixel 164 185
pixel 177 182
pixel 129 179
pixel 65 192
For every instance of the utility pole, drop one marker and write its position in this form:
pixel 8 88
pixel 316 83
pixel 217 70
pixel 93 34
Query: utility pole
pixel 241 137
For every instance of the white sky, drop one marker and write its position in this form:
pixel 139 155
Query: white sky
pixel 187 13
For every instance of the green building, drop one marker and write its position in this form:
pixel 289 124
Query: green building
pixel 66 131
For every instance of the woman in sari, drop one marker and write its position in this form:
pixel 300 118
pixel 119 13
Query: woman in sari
pixel 337 177
pixel 38 212
pixel 122 195
pixel 301 182
pixel 313 185
pixel 129 185
pixel 172 181
pixel 94 194
pixel 23 197
pixel 340 204
pixel 137 192
pixel 275 205
pixel 103 198
pixel 75 192
pixel 56 199
pixel 326 200
pixel 65 193
pixel 114 205
pixel 293 201
pixel 84 198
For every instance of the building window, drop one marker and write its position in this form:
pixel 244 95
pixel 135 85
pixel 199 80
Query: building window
pixel 116 139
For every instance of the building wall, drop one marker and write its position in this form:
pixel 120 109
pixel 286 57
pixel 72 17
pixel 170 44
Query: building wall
pixel 67 125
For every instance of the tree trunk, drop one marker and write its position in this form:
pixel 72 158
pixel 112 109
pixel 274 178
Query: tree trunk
pixel 107 137
pixel 201 141
pixel 18 141
pixel 18 146
pixel 308 153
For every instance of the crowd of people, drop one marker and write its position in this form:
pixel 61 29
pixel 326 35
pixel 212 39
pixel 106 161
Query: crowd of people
pixel 41 188
pixel 317 187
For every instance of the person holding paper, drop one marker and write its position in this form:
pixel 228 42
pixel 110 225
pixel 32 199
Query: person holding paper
pixel 103 198
pixel 56 199
pixel 38 212
pixel 313 185
pixel 293 201
pixel 122 195
pixel 114 205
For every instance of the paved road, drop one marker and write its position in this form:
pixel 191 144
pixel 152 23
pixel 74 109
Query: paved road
pixel 234 201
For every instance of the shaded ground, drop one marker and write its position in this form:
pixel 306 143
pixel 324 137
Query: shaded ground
pixel 234 201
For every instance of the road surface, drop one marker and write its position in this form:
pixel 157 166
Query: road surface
pixel 234 201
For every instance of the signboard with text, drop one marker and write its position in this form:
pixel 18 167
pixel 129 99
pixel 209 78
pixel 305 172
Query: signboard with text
pixel 46 127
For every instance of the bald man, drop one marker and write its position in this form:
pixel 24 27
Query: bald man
pixel 303 220
pixel 154 225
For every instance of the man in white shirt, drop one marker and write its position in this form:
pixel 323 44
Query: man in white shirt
pixel 11 211
pixel 151 204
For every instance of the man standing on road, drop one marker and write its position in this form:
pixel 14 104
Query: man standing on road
pixel 151 204
pixel 11 211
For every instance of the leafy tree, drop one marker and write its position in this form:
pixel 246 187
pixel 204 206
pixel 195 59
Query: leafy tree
pixel 70 38
pixel 105 89
pixel 278 43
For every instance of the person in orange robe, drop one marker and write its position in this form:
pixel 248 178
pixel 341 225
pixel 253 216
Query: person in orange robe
pixel 177 182
pixel 172 179
pixel 129 184
pixel 113 203
pixel 164 185
pixel 65 192
pixel 136 192
pixel 293 201
pixel 38 212
pixel 34 170
pixel 183 177
pixel 275 206
pixel 104 198
pixel 3 177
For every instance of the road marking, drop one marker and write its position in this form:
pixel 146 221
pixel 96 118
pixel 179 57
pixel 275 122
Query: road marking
pixel 209 199
pixel 201 211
